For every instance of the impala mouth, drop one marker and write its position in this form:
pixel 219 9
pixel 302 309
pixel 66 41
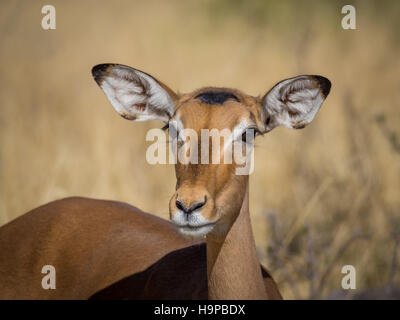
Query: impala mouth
pixel 197 231
pixel 193 225
pixel 196 226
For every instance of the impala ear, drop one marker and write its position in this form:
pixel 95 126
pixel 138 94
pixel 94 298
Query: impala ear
pixel 135 95
pixel 294 102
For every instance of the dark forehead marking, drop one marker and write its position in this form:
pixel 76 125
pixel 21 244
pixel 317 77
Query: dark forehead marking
pixel 216 97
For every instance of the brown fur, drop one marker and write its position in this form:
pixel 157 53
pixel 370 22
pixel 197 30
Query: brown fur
pixel 94 244
pixel 97 244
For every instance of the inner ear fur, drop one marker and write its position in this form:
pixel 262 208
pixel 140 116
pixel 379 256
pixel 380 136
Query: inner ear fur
pixel 294 102
pixel 134 94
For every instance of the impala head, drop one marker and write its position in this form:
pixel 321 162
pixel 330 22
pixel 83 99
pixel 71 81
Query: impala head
pixel 208 197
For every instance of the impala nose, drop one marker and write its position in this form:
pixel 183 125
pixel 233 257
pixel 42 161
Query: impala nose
pixel 189 209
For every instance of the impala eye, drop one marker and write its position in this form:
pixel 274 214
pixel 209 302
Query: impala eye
pixel 248 134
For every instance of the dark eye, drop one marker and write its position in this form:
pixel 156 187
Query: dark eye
pixel 248 133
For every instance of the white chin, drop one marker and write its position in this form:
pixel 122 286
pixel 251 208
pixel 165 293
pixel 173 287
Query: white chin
pixel 195 233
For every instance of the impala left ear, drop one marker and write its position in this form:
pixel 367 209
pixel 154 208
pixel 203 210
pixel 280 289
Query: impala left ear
pixel 134 94
pixel 294 102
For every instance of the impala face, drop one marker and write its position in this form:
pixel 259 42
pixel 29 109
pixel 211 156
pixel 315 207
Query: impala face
pixel 209 196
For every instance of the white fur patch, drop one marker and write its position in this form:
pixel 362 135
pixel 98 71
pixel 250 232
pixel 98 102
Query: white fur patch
pixel 193 225
pixel 238 130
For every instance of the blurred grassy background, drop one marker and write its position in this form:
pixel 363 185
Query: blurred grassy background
pixel 321 198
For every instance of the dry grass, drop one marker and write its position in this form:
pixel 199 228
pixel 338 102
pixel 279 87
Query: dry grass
pixel 333 188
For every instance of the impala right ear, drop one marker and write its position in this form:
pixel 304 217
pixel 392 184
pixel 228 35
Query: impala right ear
pixel 294 102
pixel 135 95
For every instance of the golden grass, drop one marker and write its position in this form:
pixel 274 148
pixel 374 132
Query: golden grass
pixel 336 179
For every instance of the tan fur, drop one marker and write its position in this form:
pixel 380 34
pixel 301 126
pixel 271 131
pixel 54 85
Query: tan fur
pixel 95 244
pixel 91 243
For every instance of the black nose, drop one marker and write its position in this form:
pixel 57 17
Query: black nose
pixel 181 206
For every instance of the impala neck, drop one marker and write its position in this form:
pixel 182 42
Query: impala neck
pixel 233 267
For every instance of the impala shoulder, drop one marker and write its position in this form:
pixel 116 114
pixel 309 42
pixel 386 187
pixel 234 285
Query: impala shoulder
pixel 103 211
pixel 81 208
pixel 80 202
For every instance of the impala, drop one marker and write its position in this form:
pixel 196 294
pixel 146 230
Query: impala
pixel 110 250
